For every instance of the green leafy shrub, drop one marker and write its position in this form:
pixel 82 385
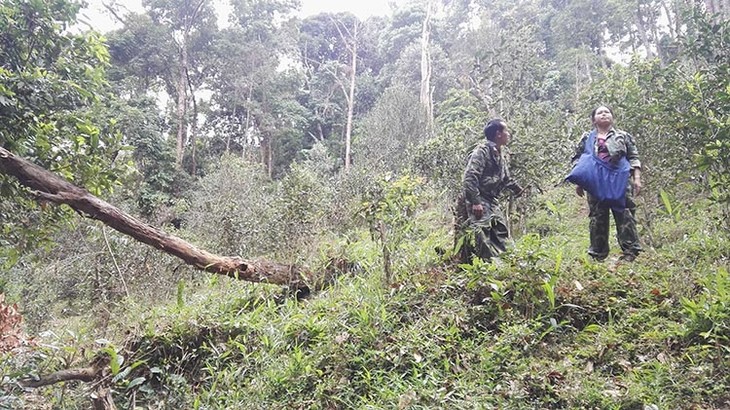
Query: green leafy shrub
pixel 390 211
pixel 708 313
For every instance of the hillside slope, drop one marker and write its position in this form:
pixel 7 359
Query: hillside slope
pixel 541 327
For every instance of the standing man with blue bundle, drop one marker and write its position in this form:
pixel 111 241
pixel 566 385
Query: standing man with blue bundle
pixel 607 168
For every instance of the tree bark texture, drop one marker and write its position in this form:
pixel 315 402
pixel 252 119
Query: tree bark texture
pixel 426 69
pixel 50 187
pixel 182 104
pixel 194 125
pixel 350 95
pixel 641 26
pixel 86 374
pixel 98 372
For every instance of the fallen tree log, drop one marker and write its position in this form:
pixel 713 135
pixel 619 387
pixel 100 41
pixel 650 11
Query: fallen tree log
pixel 85 374
pixel 50 187
pixel 97 373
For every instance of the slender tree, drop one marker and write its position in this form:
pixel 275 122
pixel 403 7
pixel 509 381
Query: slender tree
pixel 350 38
pixel 188 24
pixel 426 95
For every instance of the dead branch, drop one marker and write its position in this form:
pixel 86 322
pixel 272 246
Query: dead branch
pixel 86 374
pixel 98 373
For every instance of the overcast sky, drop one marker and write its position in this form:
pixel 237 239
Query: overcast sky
pixel 100 19
pixel 362 8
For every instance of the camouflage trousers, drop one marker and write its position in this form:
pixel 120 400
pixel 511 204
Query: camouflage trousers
pixel 625 220
pixel 485 237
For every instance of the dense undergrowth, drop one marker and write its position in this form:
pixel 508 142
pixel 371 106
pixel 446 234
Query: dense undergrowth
pixel 541 327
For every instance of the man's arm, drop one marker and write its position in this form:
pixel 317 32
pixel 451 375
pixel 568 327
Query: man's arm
pixel 474 169
pixel 513 185
pixel 632 155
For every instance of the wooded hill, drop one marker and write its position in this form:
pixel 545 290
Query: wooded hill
pixel 314 163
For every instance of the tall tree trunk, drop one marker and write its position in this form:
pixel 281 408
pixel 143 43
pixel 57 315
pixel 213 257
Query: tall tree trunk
pixel 659 48
pixel 182 102
pixel 264 152
pixel 194 128
pixel 426 69
pixel 193 133
pixel 270 157
pixel 189 17
pixel 351 100
pixel 669 15
pixel 247 124
pixel 228 134
pixel 643 34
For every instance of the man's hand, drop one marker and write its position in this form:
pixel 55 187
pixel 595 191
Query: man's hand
pixel 636 180
pixel 477 210
pixel 579 190
pixel 637 185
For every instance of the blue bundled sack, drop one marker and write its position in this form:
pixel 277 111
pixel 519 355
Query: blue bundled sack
pixel 604 181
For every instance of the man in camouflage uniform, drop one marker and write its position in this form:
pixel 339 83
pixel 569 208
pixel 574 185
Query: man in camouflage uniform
pixel 611 145
pixel 481 225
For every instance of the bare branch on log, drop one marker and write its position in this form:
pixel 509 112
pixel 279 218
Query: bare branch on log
pixel 50 187
pixel 86 374
pixel 98 373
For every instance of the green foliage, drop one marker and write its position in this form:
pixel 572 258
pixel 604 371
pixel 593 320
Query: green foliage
pixel 157 182
pixel 305 195
pixel 708 88
pixel 389 210
pixel 395 202
pixel 441 159
pixel 223 215
pixel 237 209
pixel 714 160
pixel 671 208
pixel 389 133
pixel 521 284
pixel 709 312
pixel 53 98
pixel 49 89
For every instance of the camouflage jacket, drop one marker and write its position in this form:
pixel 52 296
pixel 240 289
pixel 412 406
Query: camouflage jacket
pixel 619 144
pixel 487 174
